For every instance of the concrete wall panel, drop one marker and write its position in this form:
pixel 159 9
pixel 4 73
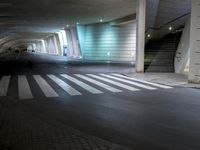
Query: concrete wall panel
pixel 108 43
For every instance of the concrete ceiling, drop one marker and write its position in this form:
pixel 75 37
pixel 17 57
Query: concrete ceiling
pixel 40 17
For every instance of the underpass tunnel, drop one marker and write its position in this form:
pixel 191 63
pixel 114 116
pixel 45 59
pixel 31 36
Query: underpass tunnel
pixel 150 35
pixel 64 28
pixel 99 74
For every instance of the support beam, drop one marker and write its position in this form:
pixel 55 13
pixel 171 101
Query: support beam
pixel 73 44
pixel 194 68
pixel 55 44
pixel 43 47
pixel 141 20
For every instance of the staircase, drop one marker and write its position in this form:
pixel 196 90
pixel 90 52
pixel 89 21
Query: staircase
pixel 159 54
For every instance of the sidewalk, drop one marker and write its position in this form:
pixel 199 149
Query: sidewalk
pixel 170 79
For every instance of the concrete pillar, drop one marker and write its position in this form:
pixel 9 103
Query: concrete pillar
pixel 141 20
pixel 57 44
pixel 43 47
pixel 72 40
pixel 34 46
pixel 56 48
pixel 194 68
pixel 70 43
pixel 75 42
pixel 63 32
pixel 61 41
pixel 46 45
pixel 52 45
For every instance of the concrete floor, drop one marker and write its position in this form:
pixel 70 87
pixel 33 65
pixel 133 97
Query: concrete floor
pixel 146 119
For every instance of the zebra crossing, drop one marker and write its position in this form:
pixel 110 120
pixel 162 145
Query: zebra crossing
pixel 91 83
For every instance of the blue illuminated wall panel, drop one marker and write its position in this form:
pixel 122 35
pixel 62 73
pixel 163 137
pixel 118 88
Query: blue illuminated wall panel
pixel 103 42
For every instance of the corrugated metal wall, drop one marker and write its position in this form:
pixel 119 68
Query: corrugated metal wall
pixel 105 42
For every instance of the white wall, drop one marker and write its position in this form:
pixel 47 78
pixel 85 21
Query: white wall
pixel 109 43
pixel 194 69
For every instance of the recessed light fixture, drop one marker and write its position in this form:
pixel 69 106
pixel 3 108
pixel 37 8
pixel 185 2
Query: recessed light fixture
pixel 77 23
pixel 149 35
pixel 170 28
pixel 101 20
pixel 132 54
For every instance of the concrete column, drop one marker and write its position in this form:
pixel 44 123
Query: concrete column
pixel 43 47
pixel 46 45
pixel 73 43
pixel 52 45
pixel 34 46
pixel 57 44
pixel 61 41
pixel 70 43
pixel 194 68
pixel 141 20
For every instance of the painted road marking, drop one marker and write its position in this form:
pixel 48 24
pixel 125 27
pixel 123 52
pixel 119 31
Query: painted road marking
pixel 82 84
pixel 24 88
pixel 129 82
pixel 4 83
pixel 114 83
pixel 142 81
pixel 64 85
pixel 45 87
pixel 105 86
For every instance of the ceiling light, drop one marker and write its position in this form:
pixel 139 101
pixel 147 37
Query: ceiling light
pixel 77 23
pixel 133 54
pixel 170 28
pixel 101 20
pixel 149 35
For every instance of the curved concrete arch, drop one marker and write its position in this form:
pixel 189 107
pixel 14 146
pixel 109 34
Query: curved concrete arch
pixel 12 41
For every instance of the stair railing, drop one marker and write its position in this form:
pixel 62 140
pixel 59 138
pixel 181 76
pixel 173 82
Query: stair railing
pixel 167 23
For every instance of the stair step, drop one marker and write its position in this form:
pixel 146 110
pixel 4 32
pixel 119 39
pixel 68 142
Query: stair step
pixel 159 54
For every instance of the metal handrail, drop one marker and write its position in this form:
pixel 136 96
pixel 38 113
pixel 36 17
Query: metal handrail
pixel 162 26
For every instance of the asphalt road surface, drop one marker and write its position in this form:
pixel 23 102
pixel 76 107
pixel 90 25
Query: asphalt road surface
pixel 95 99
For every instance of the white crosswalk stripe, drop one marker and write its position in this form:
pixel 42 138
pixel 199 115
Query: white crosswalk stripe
pixel 64 85
pixel 82 84
pixel 102 85
pixel 91 83
pixel 24 88
pixel 4 83
pixel 45 87
pixel 114 82
pixel 142 81
pixel 129 82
